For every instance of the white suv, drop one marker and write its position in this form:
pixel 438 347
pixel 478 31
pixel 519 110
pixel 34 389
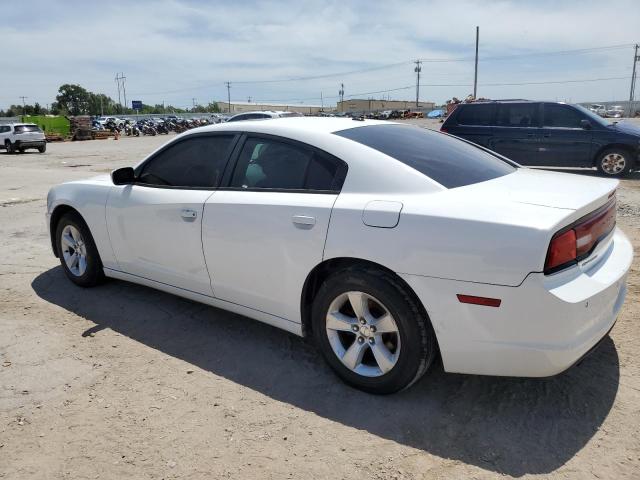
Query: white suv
pixel 17 137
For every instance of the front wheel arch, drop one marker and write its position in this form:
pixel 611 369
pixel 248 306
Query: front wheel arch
pixel 56 215
pixel 621 146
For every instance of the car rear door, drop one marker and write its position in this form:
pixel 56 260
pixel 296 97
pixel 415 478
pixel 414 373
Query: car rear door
pixel 517 132
pixel 155 225
pixel 266 231
pixel 564 142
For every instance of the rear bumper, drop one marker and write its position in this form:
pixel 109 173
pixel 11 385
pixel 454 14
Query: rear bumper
pixel 30 143
pixel 541 328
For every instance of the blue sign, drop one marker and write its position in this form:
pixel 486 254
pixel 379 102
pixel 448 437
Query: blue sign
pixel 136 104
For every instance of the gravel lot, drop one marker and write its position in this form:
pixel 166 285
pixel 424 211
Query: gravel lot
pixel 122 381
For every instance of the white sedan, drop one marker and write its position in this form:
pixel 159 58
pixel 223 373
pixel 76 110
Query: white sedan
pixel 388 244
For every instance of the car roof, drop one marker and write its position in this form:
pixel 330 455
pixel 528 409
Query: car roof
pixel 388 175
pixel 282 125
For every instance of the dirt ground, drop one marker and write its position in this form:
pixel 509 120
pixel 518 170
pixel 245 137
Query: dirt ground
pixel 122 381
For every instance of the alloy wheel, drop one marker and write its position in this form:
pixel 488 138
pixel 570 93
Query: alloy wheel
pixel 74 250
pixel 613 163
pixel 363 334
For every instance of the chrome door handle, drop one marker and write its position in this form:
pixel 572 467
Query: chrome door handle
pixel 188 214
pixel 304 220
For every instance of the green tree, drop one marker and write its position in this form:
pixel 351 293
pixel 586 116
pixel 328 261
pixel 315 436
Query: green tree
pixel 73 99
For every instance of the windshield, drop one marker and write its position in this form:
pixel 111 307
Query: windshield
pixel 597 119
pixel 449 161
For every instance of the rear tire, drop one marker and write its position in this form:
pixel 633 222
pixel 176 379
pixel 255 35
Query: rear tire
pixel 77 251
pixel 614 162
pixel 8 146
pixel 381 347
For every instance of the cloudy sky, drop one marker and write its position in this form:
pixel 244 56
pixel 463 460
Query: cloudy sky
pixel 177 50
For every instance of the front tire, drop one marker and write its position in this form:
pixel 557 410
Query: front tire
pixel 371 331
pixel 8 146
pixel 43 148
pixel 77 251
pixel 614 162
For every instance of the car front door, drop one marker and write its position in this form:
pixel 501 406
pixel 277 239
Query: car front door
pixel 517 132
pixel 155 225
pixel 565 142
pixel 266 231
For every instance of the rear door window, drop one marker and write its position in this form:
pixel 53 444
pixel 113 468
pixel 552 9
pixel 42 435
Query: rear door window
pixel 561 116
pixel 476 114
pixel 449 161
pixel 517 115
pixel 271 164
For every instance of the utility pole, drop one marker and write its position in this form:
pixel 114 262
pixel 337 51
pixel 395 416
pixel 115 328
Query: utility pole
pixel 418 69
pixel 23 106
pixel 101 109
pixel 321 102
pixel 341 93
pixel 228 97
pixel 632 92
pixel 475 76
pixel 124 90
pixel 193 101
pixel 118 79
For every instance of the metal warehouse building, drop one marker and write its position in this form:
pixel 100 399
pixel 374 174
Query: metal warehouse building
pixel 239 107
pixel 372 105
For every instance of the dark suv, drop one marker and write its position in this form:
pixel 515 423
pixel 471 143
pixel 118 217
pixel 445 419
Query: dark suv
pixel 550 134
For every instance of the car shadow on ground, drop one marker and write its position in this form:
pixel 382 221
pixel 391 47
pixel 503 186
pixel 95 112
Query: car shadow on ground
pixel 511 426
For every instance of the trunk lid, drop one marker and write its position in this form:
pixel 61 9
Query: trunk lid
pixel 580 193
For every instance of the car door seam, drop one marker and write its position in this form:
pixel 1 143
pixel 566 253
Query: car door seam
pixel 204 257
pixel 106 223
pixel 326 235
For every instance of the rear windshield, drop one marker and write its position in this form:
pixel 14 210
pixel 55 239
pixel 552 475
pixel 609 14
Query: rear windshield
pixel 27 128
pixel 447 160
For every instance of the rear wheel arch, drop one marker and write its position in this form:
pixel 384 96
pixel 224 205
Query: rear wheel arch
pixel 323 270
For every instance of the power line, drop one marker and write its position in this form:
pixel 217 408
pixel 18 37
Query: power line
pixel 397 64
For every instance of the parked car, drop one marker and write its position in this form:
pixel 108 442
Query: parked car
pixel 387 244
pixel 262 115
pixel 615 112
pixel 104 121
pixel 18 137
pixel 439 113
pixel 598 109
pixel 550 134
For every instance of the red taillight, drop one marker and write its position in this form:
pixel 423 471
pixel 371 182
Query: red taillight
pixel 598 225
pixel 580 239
pixel 562 250
pixel 443 130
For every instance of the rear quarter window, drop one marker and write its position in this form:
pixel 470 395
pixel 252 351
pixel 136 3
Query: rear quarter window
pixel 443 158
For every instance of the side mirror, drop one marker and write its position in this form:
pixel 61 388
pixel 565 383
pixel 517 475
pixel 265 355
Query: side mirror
pixel 123 176
pixel 586 124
